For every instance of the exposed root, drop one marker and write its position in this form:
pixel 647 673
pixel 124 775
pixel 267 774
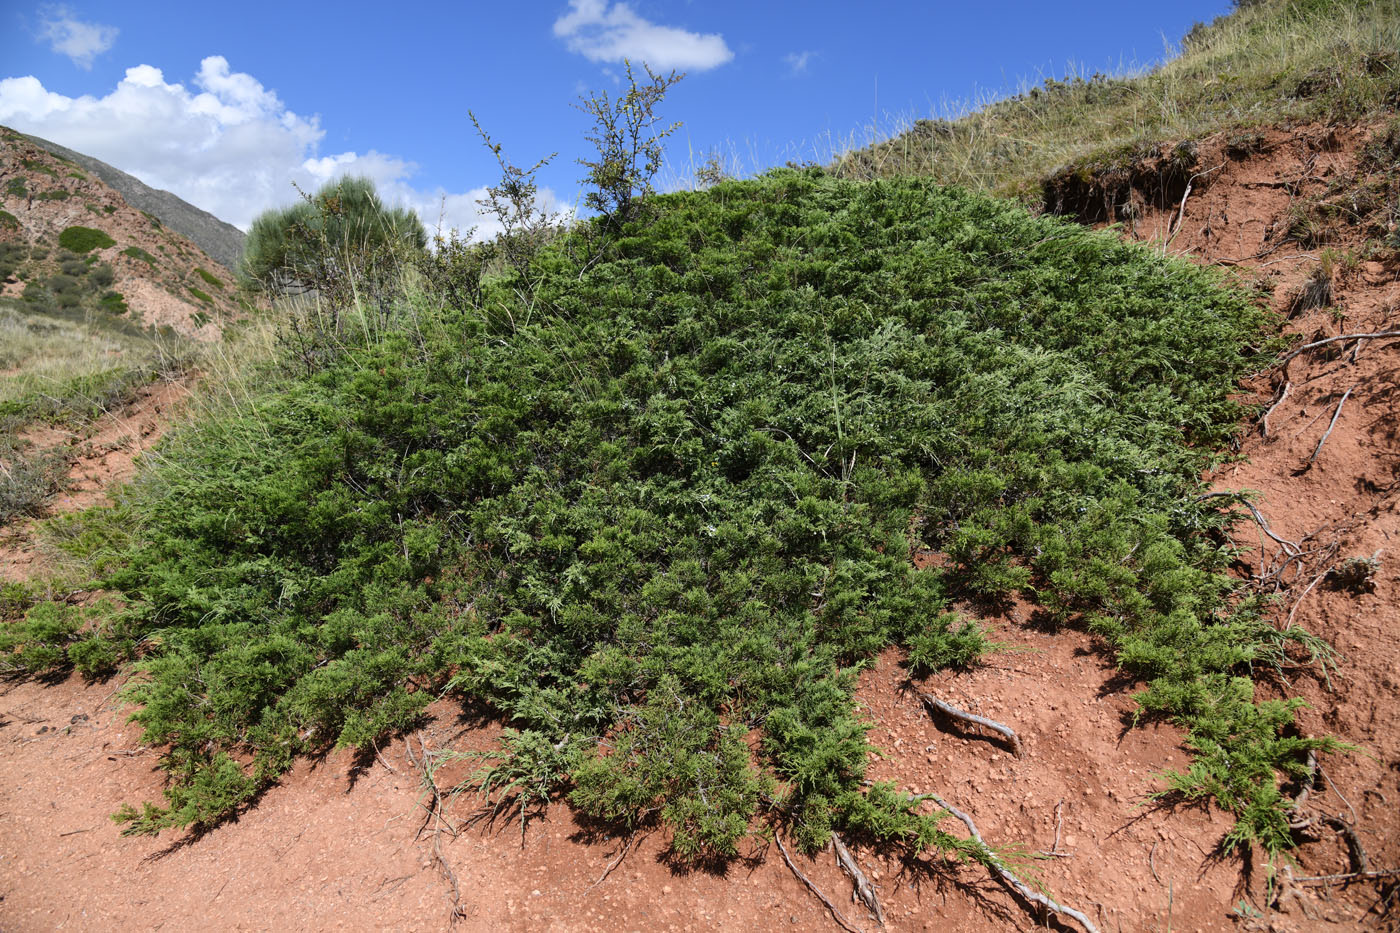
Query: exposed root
pixel 1348 877
pixel 434 815
pixel 836 914
pixel 1356 852
pixel 1291 548
pixel 864 889
pixel 614 863
pixel 948 710
pixel 1054 850
pixel 1264 418
pixel 1320 343
pixel 1299 821
pixel 1005 874
pixel 1335 415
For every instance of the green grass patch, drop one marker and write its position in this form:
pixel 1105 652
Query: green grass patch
pixel 84 239
pixel 109 208
pixel 8 221
pixel 665 504
pixel 155 221
pixel 78 175
pixel 36 166
pixel 57 194
pixel 136 252
pixel 209 278
pixel 16 188
pixel 202 296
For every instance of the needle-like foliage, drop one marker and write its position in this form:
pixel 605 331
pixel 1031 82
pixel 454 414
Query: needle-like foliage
pixel 660 519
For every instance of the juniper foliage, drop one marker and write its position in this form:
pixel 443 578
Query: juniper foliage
pixel 661 522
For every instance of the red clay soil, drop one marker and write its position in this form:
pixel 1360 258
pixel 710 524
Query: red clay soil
pixel 346 843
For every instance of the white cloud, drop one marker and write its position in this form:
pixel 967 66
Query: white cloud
pixel 67 35
pixel 609 33
pixel 229 145
pixel 797 61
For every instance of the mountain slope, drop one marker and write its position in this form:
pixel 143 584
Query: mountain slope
pixel 222 241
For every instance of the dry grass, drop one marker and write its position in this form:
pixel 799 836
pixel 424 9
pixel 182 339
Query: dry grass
pixel 1267 62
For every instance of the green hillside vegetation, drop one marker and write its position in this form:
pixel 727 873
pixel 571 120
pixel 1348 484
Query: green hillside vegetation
pixel 647 488
pixel 646 501
pixel 84 239
pixel 63 366
pixel 1270 61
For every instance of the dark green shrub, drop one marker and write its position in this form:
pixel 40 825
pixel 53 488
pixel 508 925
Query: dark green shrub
pixel 114 303
pixel 56 194
pixel 657 512
pixel 338 241
pixel 84 239
pixel 136 252
pixel 8 221
pixel 16 188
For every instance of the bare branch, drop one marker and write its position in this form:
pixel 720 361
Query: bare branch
pixel 949 710
pixel 1264 419
pixel 1021 888
pixel 1335 415
pixel 864 889
pixel 835 913
pixel 1320 343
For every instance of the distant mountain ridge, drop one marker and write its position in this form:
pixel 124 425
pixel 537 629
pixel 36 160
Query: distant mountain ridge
pixel 223 242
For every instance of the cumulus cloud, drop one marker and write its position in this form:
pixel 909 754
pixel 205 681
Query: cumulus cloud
pixel 227 145
pixel 603 32
pixel 797 62
pixel 68 35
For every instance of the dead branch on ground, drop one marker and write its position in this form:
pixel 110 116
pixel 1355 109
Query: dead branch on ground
pixel 434 815
pixel 1296 351
pixel 1054 851
pixel 1350 876
pixel 933 703
pixel 614 863
pixel 1335 415
pixel 836 914
pixel 1005 874
pixel 1356 852
pixel 1264 419
pixel 864 889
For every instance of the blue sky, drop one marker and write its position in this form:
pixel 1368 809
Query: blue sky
pixel 228 104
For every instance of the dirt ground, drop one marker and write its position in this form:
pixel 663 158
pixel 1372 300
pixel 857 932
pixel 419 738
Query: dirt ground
pixel 350 842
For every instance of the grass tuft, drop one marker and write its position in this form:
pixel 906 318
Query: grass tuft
pixel 1269 62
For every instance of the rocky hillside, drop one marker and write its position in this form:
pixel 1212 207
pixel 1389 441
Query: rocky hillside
pixel 70 241
pixel 222 241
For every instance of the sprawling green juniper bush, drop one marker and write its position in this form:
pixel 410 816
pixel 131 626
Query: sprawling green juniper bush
pixel 658 514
